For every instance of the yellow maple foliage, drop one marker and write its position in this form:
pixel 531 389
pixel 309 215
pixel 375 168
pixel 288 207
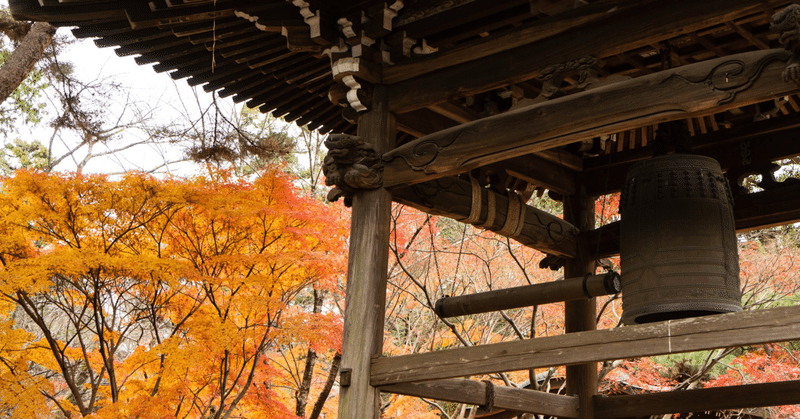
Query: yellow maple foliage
pixel 148 298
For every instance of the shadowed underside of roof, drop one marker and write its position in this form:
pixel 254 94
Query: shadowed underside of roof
pixel 265 53
pixel 445 63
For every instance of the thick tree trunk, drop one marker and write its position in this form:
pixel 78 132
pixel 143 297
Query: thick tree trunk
pixel 24 57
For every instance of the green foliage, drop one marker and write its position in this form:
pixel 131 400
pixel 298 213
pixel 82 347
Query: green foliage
pixel 26 103
pixel 20 154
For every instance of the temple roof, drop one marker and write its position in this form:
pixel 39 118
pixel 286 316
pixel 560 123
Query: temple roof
pixel 591 78
pixel 278 55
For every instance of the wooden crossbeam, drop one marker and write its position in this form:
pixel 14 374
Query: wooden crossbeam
pixel 605 407
pixel 709 86
pixel 452 197
pixel 606 29
pixel 674 336
pixel 721 398
pixel 768 208
pixel 771 139
pixel 474 392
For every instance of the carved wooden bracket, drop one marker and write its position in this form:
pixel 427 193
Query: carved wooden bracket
pixel 351 164
pixel 765 169
pixel 787 24
pixel 552 77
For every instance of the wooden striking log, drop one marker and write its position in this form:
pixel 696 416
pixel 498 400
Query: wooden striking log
pixel 474 393
pixel 674 336
pixel 452 197
pixel 608 28
pixel 722 398
pixel 705 87
pixel 550 292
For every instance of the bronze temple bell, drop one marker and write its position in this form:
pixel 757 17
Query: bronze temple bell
pixel 678 250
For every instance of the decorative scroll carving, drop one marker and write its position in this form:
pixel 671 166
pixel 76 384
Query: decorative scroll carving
pixel 552 77
pixel 787 24
pixel 426 152
pixel 731 76
pixel 709 86
pixel 351 164
pixel 742 184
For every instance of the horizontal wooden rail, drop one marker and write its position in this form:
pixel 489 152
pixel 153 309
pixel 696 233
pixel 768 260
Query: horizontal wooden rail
pixel 720 398
pixel 474 392
pixel 674 336
pixel 529 295
pixel 605 407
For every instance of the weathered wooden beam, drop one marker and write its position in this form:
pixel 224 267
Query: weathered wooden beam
pixel 722 398
pixel 365 297
pixel 767 208
pixel 602 242
pixel 474 393
pixel 769 140
pixel 579 288
pixel 674 336
pixel 452 197
pixel 709 86
pixel 539 171
pixel 606 29
pixel 580 315
pixel 524 36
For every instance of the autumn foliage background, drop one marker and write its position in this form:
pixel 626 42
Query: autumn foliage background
pixel 152 298
pixel 218 297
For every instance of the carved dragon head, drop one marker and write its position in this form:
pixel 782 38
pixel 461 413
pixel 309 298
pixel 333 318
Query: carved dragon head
pixel 787 24
pixel 350 165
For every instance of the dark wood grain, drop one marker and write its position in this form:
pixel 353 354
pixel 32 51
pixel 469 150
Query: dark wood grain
pixel 609 32
pixel 365 297
pixel 452 197
pixel 709 86
pixel 474 393
pixel 676 336
pixel 709 399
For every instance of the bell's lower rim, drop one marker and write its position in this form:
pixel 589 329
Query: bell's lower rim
pixel 675 311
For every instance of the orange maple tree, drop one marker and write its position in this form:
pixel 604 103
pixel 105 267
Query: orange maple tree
pixel 141 297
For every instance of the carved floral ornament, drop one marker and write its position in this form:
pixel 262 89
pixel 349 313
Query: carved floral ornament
pixel 350 165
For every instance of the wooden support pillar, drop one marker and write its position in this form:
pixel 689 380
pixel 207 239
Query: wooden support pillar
pixel 579 315
pixel 365 299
